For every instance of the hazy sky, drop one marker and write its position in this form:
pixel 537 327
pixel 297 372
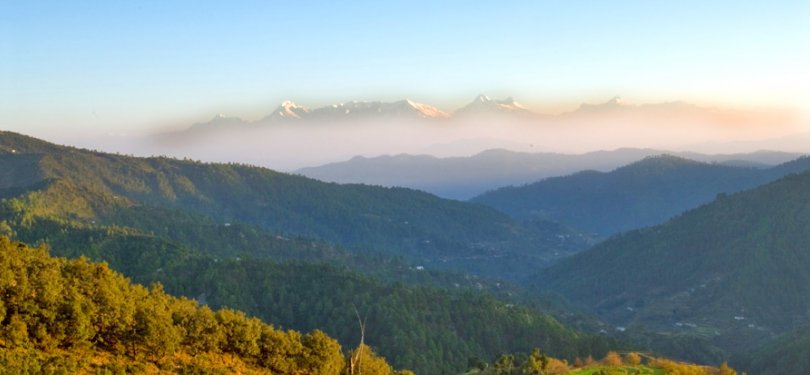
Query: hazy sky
pixel 124 65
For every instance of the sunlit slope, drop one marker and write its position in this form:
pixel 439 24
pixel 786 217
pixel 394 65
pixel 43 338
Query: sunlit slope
pixel 74 316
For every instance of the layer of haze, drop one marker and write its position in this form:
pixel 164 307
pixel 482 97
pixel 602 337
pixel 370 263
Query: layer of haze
pixel 288 145
pixel 103 74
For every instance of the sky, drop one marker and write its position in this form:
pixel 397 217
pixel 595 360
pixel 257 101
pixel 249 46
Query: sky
pixel 133 66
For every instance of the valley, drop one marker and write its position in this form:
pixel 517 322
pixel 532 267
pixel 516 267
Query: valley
pixel 305 254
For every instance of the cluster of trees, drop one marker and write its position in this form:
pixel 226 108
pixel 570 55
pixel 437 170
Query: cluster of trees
pixel 536 363
pixel 675 367
pixel 613 363
pixel 421 328
pixel 57 313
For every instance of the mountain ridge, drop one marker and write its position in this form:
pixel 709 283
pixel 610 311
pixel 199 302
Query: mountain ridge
pixel 464 178
pixel 289 110
pixel 399 221
pixel 643 193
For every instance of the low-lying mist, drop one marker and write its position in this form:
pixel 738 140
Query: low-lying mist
pixel 290 145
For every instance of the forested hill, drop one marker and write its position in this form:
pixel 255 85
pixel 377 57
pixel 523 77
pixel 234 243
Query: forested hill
pixel 736 270
pixel 644 193
pixel 422 328
pixel 75 316
pixel 89 186
pixel 61 316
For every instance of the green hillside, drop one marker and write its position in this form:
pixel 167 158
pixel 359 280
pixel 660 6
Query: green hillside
pixel 91 187
pixel 75 316
pixel 735 271
pixel 641 194
pixel 428 330
pixel 789 354
pixel 422 328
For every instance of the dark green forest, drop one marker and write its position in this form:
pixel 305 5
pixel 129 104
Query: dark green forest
pixel 734 271
pixel 789 354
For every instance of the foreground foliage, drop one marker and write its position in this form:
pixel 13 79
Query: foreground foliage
pixel 72 315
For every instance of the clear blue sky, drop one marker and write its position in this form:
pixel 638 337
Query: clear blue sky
pixel 128 64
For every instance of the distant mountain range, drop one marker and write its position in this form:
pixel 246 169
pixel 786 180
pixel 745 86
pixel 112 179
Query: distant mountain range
pixel 293 136
pixel 618 104
pixel 288 111
pixel 466 177
pixel 644 193
pixel 406 109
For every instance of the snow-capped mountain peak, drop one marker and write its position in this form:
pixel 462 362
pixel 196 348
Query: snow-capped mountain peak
pixel 482 99
pixel 616 100
pixel 485 104
pixel 405 108
pixel 288 110
pixel 425 110
pixel 289 104
pixel 511 104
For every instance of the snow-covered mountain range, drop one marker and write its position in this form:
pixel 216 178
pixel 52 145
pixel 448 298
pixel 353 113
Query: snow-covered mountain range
pixel 481 107
pixel 406 109
pixel 485 105
pixel 292 136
